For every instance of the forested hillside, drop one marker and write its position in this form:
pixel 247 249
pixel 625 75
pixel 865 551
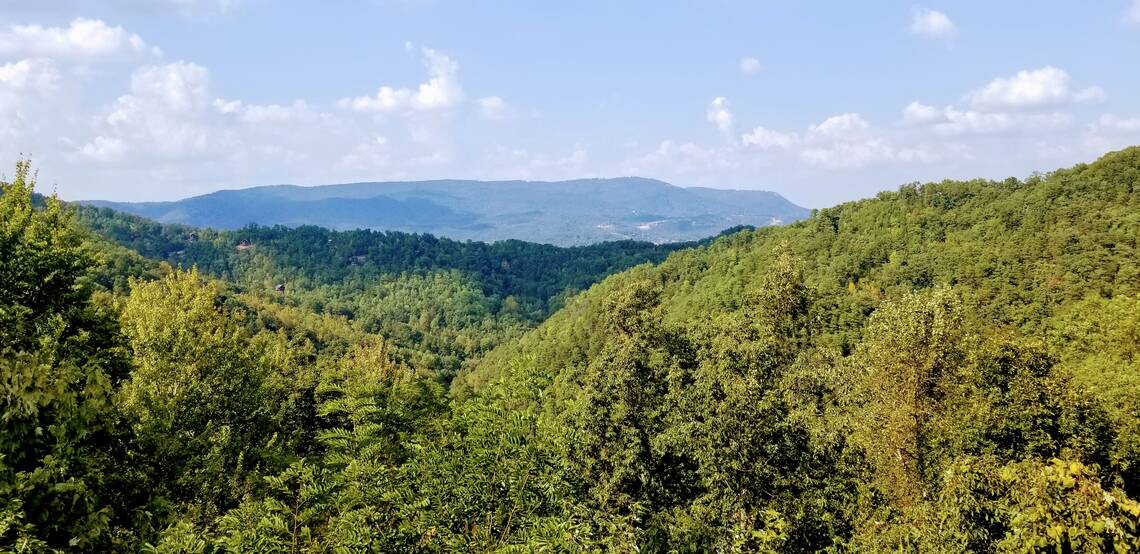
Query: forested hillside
pixel 949 367
pixel 438 301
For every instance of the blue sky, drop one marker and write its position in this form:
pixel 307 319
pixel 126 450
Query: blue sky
pixel 822 102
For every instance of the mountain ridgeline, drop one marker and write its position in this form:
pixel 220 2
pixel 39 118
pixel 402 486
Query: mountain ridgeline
pixel 948 367
pixel 564 213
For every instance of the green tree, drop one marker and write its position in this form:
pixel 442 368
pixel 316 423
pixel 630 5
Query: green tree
pixel 910 358
pixel 60 359
pixel 197 393
pixel 615 423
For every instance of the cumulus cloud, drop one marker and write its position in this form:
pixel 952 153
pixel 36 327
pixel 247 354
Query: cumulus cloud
pixel 23 82
pixel 956 122
pixel 82 40
pixel 932 24
pixel 840 143
pixel 167 132
pixel 297 112
pixel 163 115
pixel 684 158
pixel 104 150
pixel 843 127
pixel 442 90
pixel 750 65
pixel 917 113
pixel 170 126
pixel 1115 124
pixel 851 155
pixel 719 115
pixel 848 155
pixel 170 115
pixel 28 76
pixel 847 141
pixel 961 122
pixel 167 126
pixel 764 139
pixel 1047 86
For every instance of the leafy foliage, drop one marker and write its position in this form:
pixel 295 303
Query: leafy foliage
pixel 949 367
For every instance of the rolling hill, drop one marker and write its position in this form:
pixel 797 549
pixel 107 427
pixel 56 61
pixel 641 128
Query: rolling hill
pixel 948 367
pixel 564 213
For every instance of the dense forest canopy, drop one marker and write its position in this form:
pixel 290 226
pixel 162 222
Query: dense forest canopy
pixel 440 302
pixel 947 367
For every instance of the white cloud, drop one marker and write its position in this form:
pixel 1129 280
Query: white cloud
pixel 163 115
pixel 1048 86
pixel 684 158
pixel 371 154
pixel 957 122
pixel 719 115
pixel 83 39
pixel 22 83
pixel 917 113
pixel 493 108
pixel 852 155
pixel 843 127
pixel 847 141
pixel 964 122
pixel 104 150
pixel 169 116
pixel 932 24
pixel 167 134
pixel 1091 95
pixel 28 76
pixel 750 65
pixel 442 90
pixel 848 155
pixel 1115 124
pixel 766 138
pixel 298 111
pixel 175 87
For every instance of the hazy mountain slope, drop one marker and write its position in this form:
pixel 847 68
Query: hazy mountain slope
pixel 565 212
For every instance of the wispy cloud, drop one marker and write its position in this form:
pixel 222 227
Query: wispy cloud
pixel 932 24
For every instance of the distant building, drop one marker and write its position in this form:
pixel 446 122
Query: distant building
pixel 244 245
pixel 280 287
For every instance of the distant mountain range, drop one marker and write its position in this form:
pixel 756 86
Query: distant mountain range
pixel 565 213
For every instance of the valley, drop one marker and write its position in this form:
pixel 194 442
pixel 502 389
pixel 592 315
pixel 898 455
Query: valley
pixel 947 366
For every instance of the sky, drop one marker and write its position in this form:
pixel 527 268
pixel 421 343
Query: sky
pixel 822 102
